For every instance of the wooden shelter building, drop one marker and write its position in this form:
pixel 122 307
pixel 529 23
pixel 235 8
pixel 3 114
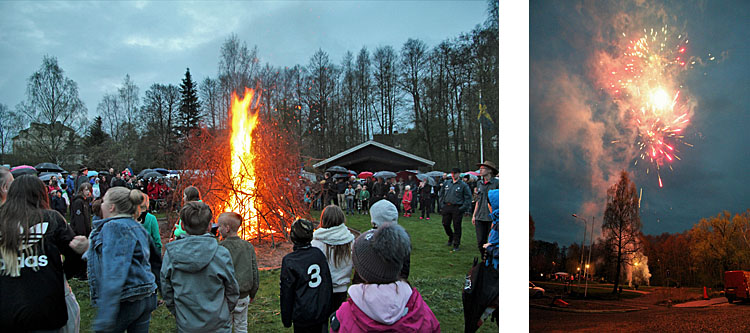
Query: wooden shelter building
pixel 375 156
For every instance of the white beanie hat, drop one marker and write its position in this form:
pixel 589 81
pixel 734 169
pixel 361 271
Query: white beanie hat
pixel 383 211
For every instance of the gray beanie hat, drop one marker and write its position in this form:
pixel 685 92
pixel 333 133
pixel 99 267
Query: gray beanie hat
pixel 383 211
pixel 379 254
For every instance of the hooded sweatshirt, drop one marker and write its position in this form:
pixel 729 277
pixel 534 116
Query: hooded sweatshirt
pixel 338 235
pixel 393 307
pixel 198 284
pixel 493 239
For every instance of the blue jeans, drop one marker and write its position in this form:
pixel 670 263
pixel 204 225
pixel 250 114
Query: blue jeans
pixel 350 205
pixel 135 316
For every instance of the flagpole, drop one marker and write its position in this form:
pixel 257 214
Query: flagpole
pixel 481 146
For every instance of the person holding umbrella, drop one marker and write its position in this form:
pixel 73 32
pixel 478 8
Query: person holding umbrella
pixel 480 217
pixel 425 199
pixel 454 202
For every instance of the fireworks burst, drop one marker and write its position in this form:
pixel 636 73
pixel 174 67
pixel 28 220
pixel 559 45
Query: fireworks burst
pixel 645 79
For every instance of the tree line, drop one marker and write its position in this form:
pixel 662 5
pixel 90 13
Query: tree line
pixel 425 100
pixel 696 257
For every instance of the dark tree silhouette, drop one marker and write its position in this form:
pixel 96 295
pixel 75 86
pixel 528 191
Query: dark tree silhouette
pixel 190 113
pixel 622 223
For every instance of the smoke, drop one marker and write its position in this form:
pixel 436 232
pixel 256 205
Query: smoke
pixel 581 129
pixel 637 271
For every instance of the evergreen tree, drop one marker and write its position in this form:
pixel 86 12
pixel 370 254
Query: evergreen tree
pixel 189 105
pixel 95 134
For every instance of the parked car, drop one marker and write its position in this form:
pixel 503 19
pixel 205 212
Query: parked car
pixel 534 291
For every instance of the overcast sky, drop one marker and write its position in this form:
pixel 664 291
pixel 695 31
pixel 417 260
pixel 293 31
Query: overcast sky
pixel 97 43
pixel 572 159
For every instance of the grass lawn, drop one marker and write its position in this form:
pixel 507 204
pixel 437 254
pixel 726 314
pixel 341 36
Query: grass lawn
pixel 436 272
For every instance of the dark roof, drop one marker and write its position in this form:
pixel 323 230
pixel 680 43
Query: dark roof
pixel 374 156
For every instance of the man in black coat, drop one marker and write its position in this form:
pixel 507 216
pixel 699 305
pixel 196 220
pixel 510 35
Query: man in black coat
pixel 379 189
pixel 454 202
pixel 82 178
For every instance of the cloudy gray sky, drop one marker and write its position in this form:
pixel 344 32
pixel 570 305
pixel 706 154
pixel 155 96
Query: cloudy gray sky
pixel 97 43
pixel 573 122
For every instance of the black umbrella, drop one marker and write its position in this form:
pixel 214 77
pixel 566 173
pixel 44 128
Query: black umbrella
pixel 153 174
pixel 337 169
pixel 48 167
pixel 45 176
pixel 340 175
pixel 105 173
pixel 427 179
pixel 384 174
pixel 435 173
pixel 162 171
pixel 144 171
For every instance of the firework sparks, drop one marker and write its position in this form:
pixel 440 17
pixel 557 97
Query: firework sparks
pixel 645 79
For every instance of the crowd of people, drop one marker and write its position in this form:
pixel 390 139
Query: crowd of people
pixel 64 191
pixel 333 280
pixel 453 196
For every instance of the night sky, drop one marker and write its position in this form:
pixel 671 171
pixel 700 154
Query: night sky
pixel 573 122
pixel 97 43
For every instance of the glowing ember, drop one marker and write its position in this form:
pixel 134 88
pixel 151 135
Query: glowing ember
pixel 242 198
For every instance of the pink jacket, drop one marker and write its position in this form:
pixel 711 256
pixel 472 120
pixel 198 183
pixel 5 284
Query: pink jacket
pixel 419 318
pixel 407 197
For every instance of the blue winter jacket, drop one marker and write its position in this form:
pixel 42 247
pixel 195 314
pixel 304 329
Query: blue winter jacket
pixel 494 240
pixel 118 267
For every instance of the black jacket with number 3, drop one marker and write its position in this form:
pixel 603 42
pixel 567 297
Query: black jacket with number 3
pixel 306 287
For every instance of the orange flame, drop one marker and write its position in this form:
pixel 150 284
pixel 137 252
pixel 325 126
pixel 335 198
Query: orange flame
pixel 242 198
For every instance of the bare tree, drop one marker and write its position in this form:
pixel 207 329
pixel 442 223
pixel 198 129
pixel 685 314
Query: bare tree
pixel 209 94
pixel 161 110
pixel 385 63
pixel 10 123
pixel 363 77
pixel 348 91
pixel 413 68
pixel 128 94
pixel 52 102
pixel 622 223
pixel 238 68
pixel 112 117
pixel 321 80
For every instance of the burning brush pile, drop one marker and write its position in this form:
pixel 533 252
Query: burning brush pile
pixel 252 169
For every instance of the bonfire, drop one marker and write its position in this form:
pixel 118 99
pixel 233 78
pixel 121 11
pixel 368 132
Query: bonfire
pixel 251 168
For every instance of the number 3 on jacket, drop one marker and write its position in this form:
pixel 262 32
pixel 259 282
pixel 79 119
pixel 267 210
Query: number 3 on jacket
pixel 314 271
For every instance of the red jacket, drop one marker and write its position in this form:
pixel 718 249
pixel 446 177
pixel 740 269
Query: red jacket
pixel 407 197
pixel 153 191
pixel 419 318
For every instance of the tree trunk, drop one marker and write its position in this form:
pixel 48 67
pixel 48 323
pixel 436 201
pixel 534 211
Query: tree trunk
pixel 618 264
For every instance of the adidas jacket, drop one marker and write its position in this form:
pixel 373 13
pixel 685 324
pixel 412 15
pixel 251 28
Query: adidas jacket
pixel 36 299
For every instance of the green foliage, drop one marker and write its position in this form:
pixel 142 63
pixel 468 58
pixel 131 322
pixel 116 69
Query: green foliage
pixel 720 243
pixel 189 106
pixel 95 134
